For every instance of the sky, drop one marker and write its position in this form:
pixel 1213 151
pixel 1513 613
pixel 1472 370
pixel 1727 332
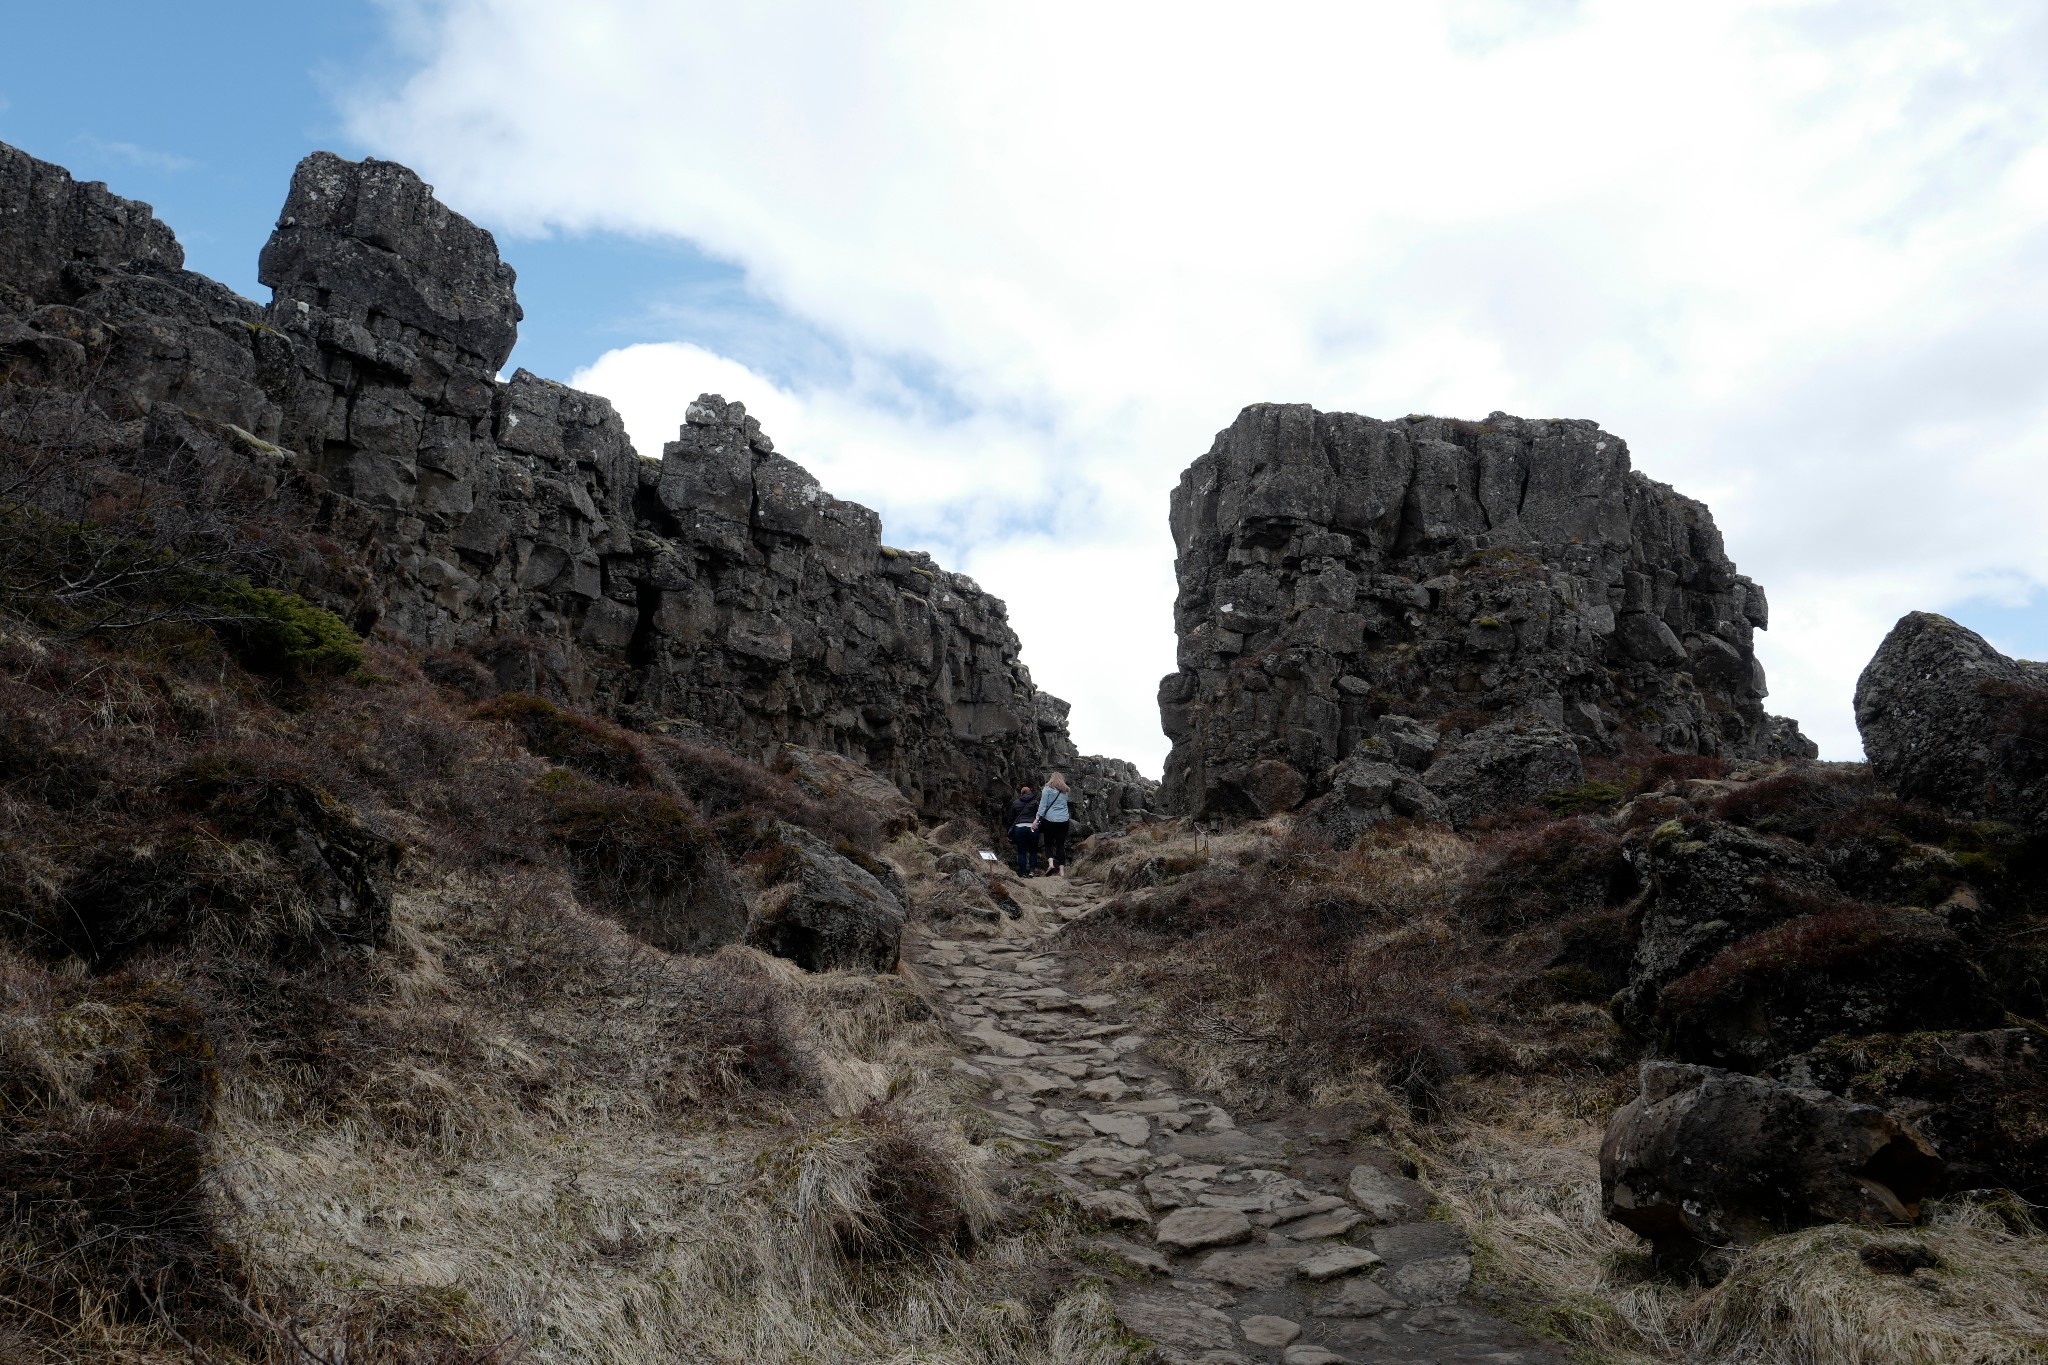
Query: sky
pixel 1002 272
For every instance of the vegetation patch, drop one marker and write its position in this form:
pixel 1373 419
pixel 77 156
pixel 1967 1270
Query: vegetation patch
pixel 592 747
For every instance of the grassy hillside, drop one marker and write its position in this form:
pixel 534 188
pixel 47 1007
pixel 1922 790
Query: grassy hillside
pixel 332 1024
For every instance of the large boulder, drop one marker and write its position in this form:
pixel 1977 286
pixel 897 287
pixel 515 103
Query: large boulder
pixel 1508 764
pixel 1980 1098
pixel 1707 1160
pixel 1948 720
pixel 1710 885
pixel 824 911
pixel 367 240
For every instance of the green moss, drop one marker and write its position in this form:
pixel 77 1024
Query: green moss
pixel 1584 797
pixel 282 634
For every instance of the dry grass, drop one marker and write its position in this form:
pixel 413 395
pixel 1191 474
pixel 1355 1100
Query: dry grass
pixel 510 1129
pixel 1296 976
pixel 623 1217
pixel 1519 1168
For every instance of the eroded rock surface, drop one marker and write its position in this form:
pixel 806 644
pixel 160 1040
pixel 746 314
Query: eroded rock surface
pixel 514 520
pixel 1707 1159
pixel 1335 569
pixel 1948 720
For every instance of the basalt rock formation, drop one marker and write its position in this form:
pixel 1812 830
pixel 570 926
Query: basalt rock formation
pixel 513 520
pixel 1948 720
pixel 1336 570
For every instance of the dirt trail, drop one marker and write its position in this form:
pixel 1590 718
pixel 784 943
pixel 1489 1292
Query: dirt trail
pixel 1234 1243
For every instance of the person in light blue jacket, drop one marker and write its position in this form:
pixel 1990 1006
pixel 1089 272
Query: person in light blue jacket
pixel 1055 814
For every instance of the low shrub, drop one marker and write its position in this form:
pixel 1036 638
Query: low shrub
pixel 724 784
pixel 1548 872
pixel 1850 968
pixel 280 634
pixel 1799 803
pixel 648 861
pixel 592 747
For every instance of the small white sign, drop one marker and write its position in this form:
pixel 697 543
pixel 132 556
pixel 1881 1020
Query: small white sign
pixel 987 856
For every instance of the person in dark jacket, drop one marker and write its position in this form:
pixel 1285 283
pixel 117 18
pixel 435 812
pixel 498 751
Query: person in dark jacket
pixel 1023 832
pixel 1054 816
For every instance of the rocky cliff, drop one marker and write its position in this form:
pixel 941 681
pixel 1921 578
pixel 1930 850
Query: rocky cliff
pixel 514 520
pixel 1336 570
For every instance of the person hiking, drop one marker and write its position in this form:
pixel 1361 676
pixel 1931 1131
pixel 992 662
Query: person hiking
pixel 1024 830
pixel 1054 814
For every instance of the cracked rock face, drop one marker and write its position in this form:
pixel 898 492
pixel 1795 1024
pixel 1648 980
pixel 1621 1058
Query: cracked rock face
pixel 718 587
pixel 1949 720
pixel 1336 570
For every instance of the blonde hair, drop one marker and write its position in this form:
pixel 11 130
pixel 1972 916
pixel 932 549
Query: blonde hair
pixel 1058 781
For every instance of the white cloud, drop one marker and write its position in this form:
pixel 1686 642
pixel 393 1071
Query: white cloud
pixel 1794 252
pixel 133 154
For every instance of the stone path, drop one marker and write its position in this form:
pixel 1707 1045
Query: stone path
pixel 1232 1243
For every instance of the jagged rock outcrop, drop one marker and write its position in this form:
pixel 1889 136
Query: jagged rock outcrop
pixel 1335 570
pixel 1948 720
pixel 514 520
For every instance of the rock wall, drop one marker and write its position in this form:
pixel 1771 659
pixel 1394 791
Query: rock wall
pixel 719 585
pixel 1335 570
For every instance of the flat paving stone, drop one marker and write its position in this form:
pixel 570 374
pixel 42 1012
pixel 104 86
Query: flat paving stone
pixel 1437 1280
pixel 1246 1267
pixel 1171 1319
pixel 993 1039
pixel 1191 1229
pixel 1259 1268
pixel 1313 1355
pixel 1328 1265
pixel 1386 1198
pixel 1335 1223
pixel 1357 1297
pixel 1115 1206
pixel 1133 1130
pixel 1263 1329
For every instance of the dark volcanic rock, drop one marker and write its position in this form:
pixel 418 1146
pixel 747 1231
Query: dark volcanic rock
pixel 1981 1098
pixel 827 912
pixel 1706 1160
pixel 513 520
pixel 1855 970
pixel 41 206
pixel 1948 720
pixel 1335 569
pixel 1505 765
pixel 1710 885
